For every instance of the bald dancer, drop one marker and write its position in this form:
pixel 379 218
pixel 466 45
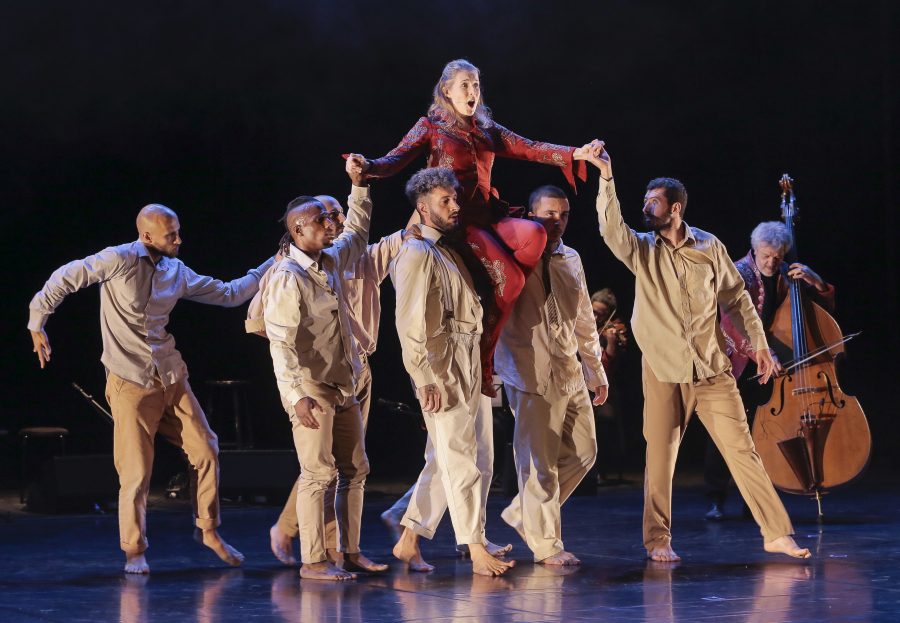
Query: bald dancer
pixel 147 381
pixel 360 288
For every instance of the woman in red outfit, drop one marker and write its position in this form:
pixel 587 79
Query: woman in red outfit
pixel 459 133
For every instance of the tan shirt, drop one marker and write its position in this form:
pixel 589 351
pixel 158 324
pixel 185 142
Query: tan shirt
pixel 362 292
pixel 677 290
pixel 428 277
pixel 307 322
pixel 136 298
pixel 534 352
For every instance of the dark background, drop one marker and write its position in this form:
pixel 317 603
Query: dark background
pixel 224 111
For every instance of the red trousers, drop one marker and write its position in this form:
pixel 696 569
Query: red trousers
pixel 509 250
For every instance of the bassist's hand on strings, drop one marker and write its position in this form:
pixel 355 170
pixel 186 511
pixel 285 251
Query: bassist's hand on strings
pixel 807 274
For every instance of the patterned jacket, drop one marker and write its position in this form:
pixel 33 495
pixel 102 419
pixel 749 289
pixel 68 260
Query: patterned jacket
pixel 738 346
pixel 470 153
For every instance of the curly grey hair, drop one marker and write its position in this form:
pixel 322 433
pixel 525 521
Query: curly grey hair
pixel 771 233
pixel 426 180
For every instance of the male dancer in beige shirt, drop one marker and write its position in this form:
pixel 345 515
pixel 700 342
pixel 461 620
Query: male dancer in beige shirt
pixel 439 325
pixel 317 365
pixel 147 381
pixel 683 276
pixel 360 288
pixel 555 441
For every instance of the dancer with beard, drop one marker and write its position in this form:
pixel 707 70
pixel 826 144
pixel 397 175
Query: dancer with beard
pixel 683 277
pixel 439 325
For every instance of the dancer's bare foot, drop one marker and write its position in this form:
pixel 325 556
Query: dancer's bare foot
pixel 663 553
pixel 335 557
pixel 560 559
pixel 485 564
pixel 212 540
pixel 392 520
pixel 282 545
pixel 497 551
pixel 407 550
pixel 362 564
pixel 786 545
pixel 324 571
pixel 136 563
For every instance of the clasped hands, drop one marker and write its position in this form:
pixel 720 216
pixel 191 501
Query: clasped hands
pixel 595 153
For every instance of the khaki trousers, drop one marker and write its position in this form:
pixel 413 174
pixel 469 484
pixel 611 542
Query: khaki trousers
pixel 427 495
pixel 334 451
pixel 287 520
pixel 555 445
pixel 667 410
pixel 173 412
pixel 459 452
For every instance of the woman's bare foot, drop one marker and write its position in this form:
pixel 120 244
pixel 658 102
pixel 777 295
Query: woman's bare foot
pixel 663 553
pixel 229 555
pixel 786 545
pixel 360 563
pixel 282 545
pixel 485 564
pixel 324 571
pixel 407 550
pixel 560 559
pixel 136 563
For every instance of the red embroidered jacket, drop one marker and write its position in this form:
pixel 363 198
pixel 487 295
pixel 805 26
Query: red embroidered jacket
pixel 470 153
pixel 738 347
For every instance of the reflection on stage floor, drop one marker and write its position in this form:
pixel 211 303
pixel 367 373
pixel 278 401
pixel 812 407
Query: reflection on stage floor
pixel 67 568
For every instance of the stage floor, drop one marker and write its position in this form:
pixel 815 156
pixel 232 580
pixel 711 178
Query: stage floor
pixel 67 568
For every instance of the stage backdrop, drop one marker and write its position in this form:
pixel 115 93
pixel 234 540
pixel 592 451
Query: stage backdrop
pixel 224 111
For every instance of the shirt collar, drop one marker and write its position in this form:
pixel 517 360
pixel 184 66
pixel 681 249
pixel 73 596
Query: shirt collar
pixel 142 251
pixel 688 237
pixel 558 249
pixel 302 258
pixel 430 233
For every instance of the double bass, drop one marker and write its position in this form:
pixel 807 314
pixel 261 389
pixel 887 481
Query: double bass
pixel 810 435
